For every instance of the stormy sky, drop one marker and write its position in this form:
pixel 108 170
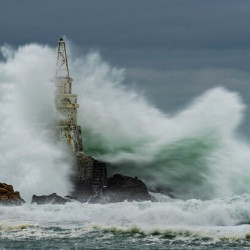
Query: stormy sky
pixel 172 50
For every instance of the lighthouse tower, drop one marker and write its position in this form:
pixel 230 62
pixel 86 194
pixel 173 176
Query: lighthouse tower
pixel 66 102
pixel 89 174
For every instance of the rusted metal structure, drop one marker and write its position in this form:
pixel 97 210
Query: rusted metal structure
pixel 62 67
pixel 89 174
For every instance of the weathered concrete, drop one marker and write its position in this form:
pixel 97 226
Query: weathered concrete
pixel 72 135
pixel 66 104
pixel 90 175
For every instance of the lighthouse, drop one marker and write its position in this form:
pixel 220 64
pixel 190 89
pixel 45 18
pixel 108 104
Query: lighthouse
pixel 66 102
pixel 89 174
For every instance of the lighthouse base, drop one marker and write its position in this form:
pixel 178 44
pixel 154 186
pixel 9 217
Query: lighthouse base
pixel 90 176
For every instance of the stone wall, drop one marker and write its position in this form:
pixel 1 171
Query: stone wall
pixel 64 85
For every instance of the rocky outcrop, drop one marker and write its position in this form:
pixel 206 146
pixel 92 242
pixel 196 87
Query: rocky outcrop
pixel 49 199
pixel 121 188
pixel 8 196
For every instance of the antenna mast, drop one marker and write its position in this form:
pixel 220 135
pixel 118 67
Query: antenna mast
pixel 62 68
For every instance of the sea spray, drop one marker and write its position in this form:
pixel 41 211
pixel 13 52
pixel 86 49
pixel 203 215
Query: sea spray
pixel 31 158
pixel 76 219
pixel 194 153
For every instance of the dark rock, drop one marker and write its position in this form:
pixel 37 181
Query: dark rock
pixel 120 188
pixel 49 199
pixel 90 176
pixel 8 196
pixel 70 197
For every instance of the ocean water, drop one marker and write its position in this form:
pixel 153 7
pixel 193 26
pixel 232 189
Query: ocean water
pixel 169 224
pixel 196 154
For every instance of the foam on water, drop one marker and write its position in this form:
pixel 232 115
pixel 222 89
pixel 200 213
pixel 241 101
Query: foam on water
pixel 216 219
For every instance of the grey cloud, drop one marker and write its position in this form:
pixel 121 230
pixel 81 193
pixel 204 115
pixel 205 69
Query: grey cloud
pixel 128 24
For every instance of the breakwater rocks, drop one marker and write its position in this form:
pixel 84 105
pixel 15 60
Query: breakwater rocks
pixel 52 199
pixel 8 196
pixel 119 188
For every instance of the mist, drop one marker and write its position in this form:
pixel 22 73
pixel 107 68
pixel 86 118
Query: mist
pixel 31 158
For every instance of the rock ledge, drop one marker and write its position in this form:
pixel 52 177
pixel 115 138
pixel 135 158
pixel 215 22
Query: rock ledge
pixel 8 196
pixel 119 188
pixel 49 199
pixel 123 188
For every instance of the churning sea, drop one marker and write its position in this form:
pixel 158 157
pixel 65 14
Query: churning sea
pixel 196 152
pixel 167 224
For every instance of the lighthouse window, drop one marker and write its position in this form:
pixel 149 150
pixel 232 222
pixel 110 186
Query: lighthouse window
pixel 66 100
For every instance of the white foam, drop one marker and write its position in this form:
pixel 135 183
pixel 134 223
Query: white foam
pixel 31 159
pixel 196 152
pixel 194 218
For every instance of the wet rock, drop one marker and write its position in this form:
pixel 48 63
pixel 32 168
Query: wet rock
pixel 120 188
pixel 49 199
pixel 8 196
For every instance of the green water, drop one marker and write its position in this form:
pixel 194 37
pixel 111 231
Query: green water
pixel 100 240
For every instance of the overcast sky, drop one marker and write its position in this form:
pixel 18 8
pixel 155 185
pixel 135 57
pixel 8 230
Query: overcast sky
pixel 172 50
